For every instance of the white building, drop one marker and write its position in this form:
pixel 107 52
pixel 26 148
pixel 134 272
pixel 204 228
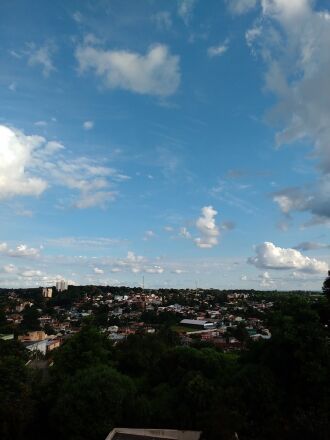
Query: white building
pixel 61 285
pixel 47 292
pixel 198 323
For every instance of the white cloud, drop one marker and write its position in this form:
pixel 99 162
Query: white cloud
pixel 185 233
pixel 310 246
pixel 9 268
pixel 266 280
pixel 313 199
pixel 178 271
pixel 85 242
pixel 52 147
pixel 29 164
pixel 91 200
pixel 154 269
pixel 12 87
pixel 41 56
pixel 207 227
pixel 251 36
pixel 21 250
pixel 136 264
pixel 227 226
pixel 149 235
pixel 269 256
pixel 115 270
pixel 286 10
pixel 3 247
pixel 216 51
pixel 16 152
pixel 88 125
pixel 185 10
pixel 162 20
pixel 155 73
pixel 241 6
pixel 293 39
pixel 31 273
pixel 77 16
pixel 40 123
pixel 98 271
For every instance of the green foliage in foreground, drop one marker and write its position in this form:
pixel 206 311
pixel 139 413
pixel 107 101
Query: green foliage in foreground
pixel 276 389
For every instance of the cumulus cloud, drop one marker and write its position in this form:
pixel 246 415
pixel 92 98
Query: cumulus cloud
pixel 207 230
pixel 216 51
pixel 313 199
pixel 155 73
pixel 136 264
pixel 21 250
pixel 293 39
pixel 207 227
pixel 16 157
pixel 29 164
pixel 269 256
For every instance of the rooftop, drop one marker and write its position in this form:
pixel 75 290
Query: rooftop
pixel 152 434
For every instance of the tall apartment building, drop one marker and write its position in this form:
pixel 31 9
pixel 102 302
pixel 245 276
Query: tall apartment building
pixel 61 285
pixel 47 292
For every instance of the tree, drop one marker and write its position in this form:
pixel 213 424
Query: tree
pixel 92 403
pixel 86 349
pixel 30 319
pixel 15 396
pixel 326 286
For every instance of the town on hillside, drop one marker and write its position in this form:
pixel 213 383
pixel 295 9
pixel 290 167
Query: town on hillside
pixel 43 318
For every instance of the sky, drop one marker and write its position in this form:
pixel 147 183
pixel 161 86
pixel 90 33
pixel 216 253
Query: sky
pixel 183 142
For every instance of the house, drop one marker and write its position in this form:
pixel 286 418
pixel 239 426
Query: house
pixel 33 336
pixel 52 344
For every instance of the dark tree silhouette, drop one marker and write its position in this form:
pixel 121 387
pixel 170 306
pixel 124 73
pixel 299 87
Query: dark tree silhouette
pixel 326 286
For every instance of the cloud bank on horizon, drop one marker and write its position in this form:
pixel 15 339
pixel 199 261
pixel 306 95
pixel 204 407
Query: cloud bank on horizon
pixel 133 143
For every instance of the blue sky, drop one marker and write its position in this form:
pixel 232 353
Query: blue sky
pixel 183 141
